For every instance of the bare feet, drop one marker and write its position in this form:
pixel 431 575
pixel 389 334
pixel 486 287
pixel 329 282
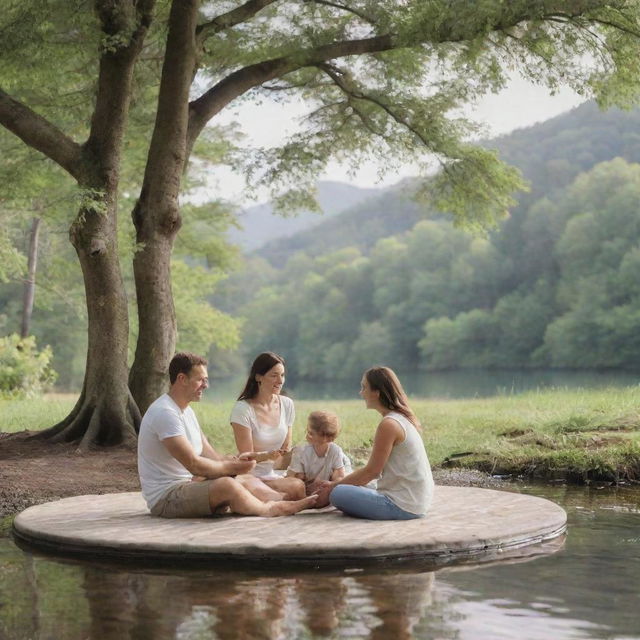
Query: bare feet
pixel 288 508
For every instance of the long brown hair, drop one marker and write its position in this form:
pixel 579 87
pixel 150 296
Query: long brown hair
pixel 263 363
pixel 392 395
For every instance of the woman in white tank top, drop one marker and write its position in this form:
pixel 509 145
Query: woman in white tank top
pixel 398 459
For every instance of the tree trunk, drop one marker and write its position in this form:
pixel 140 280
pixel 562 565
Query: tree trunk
pixel 157 214
pixel 105 413
pixel 30 282
pixel 156 343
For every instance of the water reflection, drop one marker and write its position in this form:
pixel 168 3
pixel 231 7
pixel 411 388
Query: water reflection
pixel 230 607
pixel 322 603
pixel 589 589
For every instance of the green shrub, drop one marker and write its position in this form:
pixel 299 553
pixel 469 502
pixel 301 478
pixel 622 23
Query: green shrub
pixel 23 370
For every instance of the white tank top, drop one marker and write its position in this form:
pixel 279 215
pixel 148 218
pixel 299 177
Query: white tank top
pixel 406 477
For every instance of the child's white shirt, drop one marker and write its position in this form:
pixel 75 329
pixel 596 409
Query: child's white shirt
pixel 305 460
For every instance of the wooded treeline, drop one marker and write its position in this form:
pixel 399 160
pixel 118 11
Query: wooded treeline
pixel 555 285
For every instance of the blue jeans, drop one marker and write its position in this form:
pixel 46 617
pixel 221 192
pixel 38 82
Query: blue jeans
pixel 361 502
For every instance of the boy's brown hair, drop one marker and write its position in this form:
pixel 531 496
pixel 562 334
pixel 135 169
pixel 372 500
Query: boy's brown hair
pixel 324 423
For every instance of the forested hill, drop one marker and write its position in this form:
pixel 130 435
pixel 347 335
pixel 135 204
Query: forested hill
pixel 550 155
pixel 380 216
pixel 556 285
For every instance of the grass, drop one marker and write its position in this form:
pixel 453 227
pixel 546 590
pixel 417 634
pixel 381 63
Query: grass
pixel 34 413
pixel 578 435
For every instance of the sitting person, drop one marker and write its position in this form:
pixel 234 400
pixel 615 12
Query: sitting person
pixel 262 421
pixel 398 458
pixel 321 459
pixel 181 475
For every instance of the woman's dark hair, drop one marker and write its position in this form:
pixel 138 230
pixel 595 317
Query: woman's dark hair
pixel 263 363
pixel 392 395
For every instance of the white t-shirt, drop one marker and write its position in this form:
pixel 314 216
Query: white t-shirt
pixel 265 437
pixel 305 460
pixel 157 468
pixel 406 477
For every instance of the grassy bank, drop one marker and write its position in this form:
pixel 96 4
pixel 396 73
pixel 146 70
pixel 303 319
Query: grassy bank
pixel 577 435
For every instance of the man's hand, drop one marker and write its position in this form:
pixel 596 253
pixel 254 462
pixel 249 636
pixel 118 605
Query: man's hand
pixel 238 467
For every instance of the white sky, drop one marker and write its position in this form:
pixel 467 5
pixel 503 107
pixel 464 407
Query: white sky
pixel 521 104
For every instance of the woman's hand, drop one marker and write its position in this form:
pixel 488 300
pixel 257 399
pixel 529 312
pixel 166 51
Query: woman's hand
pixel 260 456
pixel 323 490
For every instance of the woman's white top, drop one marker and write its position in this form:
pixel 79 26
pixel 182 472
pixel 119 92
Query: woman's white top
pixel 266 437
pixel 406 478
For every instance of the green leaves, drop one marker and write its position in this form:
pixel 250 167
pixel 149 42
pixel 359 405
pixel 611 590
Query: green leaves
pixel 23 369
pixel 476 188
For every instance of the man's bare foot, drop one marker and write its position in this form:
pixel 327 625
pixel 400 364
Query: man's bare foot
pixel 289 507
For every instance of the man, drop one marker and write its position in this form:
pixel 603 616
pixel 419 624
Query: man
pixel 181 475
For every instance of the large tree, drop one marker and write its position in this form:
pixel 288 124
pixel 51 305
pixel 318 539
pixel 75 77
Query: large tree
pixel 382 78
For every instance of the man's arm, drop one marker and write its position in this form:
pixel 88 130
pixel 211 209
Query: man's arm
pixel 180 448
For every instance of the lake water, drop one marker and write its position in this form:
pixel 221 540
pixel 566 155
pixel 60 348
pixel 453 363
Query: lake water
pixel 449 384
pixel 590 588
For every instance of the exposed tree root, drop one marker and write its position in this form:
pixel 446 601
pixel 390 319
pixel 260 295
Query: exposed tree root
pixel 97 423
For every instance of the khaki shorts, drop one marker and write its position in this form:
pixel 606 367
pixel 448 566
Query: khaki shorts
pixel 184 500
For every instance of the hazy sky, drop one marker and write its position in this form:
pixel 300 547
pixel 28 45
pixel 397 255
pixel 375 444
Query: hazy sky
pixel 521 104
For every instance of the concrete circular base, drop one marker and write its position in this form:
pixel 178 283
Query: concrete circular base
pixel 463 523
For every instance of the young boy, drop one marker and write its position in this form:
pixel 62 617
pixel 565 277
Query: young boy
pixel 321 459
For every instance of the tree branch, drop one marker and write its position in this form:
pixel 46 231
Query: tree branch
pixel 167 151
pixel 231 18
pixel 342 7
pixel 238 82
pixel 450 30
pixel 337 76
pixel 126 26
pixel 40 134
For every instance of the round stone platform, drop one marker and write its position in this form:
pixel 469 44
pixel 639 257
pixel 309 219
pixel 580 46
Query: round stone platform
pixel 463 523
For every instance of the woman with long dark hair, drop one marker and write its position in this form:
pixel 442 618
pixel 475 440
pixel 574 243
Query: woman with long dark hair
pixel 262 421
pixel 398 459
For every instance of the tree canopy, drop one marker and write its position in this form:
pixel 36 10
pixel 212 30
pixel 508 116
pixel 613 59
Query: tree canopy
pixel 382 78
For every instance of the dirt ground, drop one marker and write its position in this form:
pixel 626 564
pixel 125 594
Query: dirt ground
pixel 34 471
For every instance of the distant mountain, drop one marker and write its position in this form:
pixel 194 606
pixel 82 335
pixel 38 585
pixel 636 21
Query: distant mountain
pixel 261 225
pixel 386 214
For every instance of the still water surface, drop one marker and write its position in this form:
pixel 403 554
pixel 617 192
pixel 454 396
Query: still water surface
pixel 447 384
pixel 590 589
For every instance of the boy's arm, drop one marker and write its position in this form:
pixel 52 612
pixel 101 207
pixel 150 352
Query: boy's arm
pixel 338 474
pixel 296 468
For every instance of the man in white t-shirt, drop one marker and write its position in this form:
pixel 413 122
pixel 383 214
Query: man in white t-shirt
pixel 181 474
